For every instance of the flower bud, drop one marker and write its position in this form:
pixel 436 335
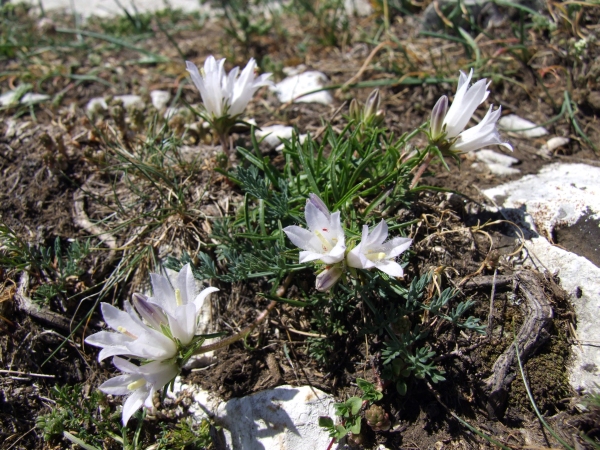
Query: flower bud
pixel 318 203
pixel 327 279
pixel 438 113
pixel 354 110
pixel 372 105
pixel 152 314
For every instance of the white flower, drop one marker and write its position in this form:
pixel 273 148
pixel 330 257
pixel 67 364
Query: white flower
pixel 140 383
pixel 481 135
pixel 450 122
pixel 373 252
pixel 324 240
pixel 179 302
pixel 466 101
pixel 222 94
pixel 133 337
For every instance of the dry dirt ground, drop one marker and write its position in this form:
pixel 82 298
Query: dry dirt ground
pixel 64 177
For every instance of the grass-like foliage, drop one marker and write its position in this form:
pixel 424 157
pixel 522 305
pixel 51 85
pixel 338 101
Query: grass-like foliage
pixel 365 173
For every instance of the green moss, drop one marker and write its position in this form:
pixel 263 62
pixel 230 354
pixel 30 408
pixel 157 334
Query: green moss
pixel 546 375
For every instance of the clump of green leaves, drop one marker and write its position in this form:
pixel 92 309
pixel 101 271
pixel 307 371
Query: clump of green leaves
pixel 55 267
pixel 349 411
pixel 185 436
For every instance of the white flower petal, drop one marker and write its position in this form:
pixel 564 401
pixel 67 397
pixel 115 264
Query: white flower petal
pixel 299 236
pixel 125 366
pixel 392 268
pixel 118 385
pixel 199 300
pixel 183 323
pixel 134 402
pixel 378 235
pixel 163 293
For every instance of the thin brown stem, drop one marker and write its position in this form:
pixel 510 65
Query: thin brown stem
pixel 241 335
pixel 422 168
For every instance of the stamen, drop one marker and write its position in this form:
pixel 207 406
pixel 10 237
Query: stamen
pixel 123 330
pixel 326 244
pixel 136 384
pixel 178 297
pixel 376 256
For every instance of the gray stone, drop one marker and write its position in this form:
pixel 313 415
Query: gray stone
pixel 284 418
pixel 517 126
pixel 559 197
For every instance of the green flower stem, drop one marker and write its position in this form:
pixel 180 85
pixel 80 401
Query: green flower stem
pixel 241 335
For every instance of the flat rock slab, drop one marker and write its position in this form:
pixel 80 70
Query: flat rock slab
pixel 109 8
pixel 564 200
pixel 284 418
pixel 558 196
pixel 301 87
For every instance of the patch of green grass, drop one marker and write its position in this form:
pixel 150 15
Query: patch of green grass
pixel 90 418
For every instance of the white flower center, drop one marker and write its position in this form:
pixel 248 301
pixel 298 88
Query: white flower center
pixel 136 384
pixel 375 256
pixel 325 243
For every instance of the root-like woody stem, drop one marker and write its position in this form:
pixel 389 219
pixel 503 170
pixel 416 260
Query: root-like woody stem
pixel 241 335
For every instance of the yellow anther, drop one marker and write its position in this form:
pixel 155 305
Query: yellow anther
pixel 376 256
pixel 136 384
pixel 178 297
pixel 123 330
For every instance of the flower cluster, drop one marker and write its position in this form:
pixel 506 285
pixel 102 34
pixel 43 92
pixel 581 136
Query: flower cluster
pixel 324 241
pixel 447 125
pixel 159 331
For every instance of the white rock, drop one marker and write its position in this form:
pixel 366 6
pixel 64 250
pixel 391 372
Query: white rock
pixel 293 88
pixel 110 8
pixel 31 98
pixel 203 401
pixel 301 139
pixel 131 100
pixel 489 156
pixel 581 279
pixel 274 134
pixel 160 99
pixel 96 104
pixel 497 163
pixel 361 8
pixel 496 169
pixel 560 195
pixel 557 196
pixel 556 142
pixel 10 97
pixel 284 418
pixel 99 103
pixel 518 126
